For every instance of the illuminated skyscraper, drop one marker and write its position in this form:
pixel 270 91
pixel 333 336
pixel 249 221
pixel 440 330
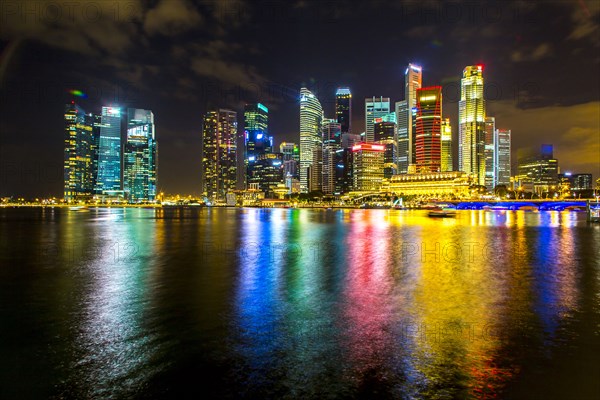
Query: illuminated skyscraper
pixel 471 124
pixel 316 170
pixel 257 142
pixel 502 145
pixel 332 142
pixel 428 143
pixel 109 151
pixel 256 130
pixel 140 157
pixel 311 117
pixel 385 132
pixel 79 154
pixel 405 116
pixel 343 109
pixel 446 165
pixel 375 107
pixel 219 152
pixel 489 150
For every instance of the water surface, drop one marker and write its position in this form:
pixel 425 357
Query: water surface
pixel 271 303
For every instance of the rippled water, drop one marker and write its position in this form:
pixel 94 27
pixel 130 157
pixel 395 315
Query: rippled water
pixel 263 303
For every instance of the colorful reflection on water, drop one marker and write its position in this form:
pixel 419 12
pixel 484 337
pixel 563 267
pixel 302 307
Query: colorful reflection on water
pixel 299 303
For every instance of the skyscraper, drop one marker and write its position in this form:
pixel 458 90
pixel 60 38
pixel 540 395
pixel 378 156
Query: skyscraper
pixel 471 124
pixel 257 141
pixel 109 151
pixel 375 107
pixel 79 154
pixel 385 132
pixel 428 139
pixel 256 130
pixel 140 157
pixel 343 109
pixel 311 117
pixel 219 152
pixel 332 142
pixel 502 162
pixel 489 150
pixel 405 116
pixel 446 146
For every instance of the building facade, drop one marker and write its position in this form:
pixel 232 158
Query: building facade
pixel 440 185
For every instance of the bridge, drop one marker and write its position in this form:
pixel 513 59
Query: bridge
pixel 542 205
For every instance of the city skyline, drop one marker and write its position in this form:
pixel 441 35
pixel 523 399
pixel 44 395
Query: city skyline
pixel 206 71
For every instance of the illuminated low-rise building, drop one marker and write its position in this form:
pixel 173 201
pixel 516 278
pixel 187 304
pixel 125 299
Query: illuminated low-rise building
pixel 367 166
pixel 538 169
pixel 266 171
pixel 436 184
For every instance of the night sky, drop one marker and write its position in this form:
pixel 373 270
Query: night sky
pixel 179 58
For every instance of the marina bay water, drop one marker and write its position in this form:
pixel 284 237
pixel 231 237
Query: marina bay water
pixel 298 303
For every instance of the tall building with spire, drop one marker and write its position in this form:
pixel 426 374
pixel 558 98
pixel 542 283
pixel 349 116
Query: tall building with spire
pixel 428 138
pixel 140 157
pixel 343 109
pixel 219 153
pixel 471 124
pixel 311 119
pixel 375 107
pixel 405 116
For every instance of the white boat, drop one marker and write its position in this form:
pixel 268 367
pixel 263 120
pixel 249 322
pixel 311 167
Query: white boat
pixel 442 213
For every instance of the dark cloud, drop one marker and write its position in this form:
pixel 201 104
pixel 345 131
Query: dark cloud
pixel 171 17
pixel 540 52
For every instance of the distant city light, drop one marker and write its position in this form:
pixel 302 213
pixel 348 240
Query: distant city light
pixel 78 93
